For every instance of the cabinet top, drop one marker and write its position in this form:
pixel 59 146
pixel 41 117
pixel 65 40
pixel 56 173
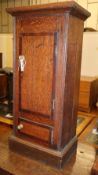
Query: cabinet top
pixel 62 7
pixel 88 78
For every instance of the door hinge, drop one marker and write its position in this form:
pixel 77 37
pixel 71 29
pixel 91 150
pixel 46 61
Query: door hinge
pixel 53 104
pixel 52 136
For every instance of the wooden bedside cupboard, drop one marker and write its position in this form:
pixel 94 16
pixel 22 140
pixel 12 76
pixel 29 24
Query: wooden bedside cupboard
pixel 47 49
pixel 88 94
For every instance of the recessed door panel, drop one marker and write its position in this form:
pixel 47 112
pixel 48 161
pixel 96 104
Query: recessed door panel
pixel 36 82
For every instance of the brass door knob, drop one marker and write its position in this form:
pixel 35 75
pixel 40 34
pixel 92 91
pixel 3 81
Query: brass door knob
pixel 20 126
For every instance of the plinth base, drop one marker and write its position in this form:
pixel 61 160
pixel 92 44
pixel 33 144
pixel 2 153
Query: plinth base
pixel 49 156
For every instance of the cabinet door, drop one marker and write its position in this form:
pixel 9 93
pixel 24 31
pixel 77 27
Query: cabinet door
pixel 35 85
pixel 36 82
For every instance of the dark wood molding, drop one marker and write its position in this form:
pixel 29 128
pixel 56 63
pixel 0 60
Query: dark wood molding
pixel 48 156
pixel 69 6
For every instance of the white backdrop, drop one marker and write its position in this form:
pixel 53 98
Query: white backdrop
pixel 89 65
pixel 6 47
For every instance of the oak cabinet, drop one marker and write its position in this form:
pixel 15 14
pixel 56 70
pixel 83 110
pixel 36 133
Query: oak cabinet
pixel 47 44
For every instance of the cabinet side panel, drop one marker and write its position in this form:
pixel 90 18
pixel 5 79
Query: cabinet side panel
pixel 72 79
